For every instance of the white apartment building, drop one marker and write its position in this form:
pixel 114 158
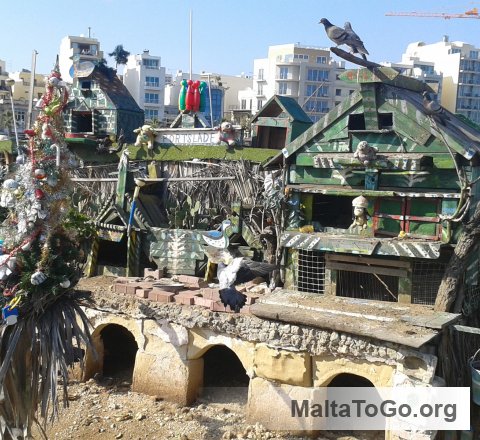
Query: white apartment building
pixel 308 74
pixel 79 49
pixel 144 77
pixel 421 70
pixel 459 65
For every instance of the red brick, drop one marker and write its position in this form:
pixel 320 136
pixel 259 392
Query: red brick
pixel 155 273
pixel 161 296
pixel 217 306
pixel 130 288
pixel 120 288
pixel 142 293
pixel 210 293
pixel 204 302
pixel 187 300
pixel 245 309
pixel 192 281
pixel 251 299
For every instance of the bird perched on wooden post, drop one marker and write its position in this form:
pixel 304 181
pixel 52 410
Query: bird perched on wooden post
pixel 356 43
pixel 434 109
pixel 348 37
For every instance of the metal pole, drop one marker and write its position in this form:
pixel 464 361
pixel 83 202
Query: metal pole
pixel 32 86
pixel 191 13
pixel 10 83
pixel 210 100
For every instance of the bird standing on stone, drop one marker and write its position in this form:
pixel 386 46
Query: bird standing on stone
pixel 434 109
pixel 356 43
pixel 237 270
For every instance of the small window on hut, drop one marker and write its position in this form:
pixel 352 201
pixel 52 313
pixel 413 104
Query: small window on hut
pixel 385 121
pixel 418 217
pixel 356 122
pixel 331 211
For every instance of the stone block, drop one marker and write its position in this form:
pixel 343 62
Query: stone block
pixel 182 383
pixel 211 293
pixel 217 306
pixel 245 310
pixel 283 366
pixel 130 289
pixel 325 368
pixel 160 296
pixel 191 281
pixel 155 273
pixel 142 293
pixel 120 288
pixel 185 300
pixel 270 405
pixel 204 302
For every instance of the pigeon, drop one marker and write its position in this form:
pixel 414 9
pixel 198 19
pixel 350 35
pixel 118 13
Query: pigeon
pixel 356 43
pixel 434 109
pixel 239 270
pixel 337 34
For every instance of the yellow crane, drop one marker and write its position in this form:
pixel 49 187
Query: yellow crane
pixel 472 13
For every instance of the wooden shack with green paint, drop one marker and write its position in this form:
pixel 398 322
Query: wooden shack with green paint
pixel 278 123
pixel 418 185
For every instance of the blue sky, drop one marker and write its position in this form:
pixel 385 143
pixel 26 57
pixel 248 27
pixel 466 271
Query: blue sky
pixel 227 34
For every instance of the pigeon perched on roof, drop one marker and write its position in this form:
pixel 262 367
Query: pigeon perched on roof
pixel 356 44
pixel 337 34
pixel 434 109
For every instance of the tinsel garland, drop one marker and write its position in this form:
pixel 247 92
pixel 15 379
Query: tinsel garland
pixel 38 270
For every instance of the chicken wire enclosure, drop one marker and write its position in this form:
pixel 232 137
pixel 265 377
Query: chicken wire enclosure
pixel 367 286
pixel 426 279
pixel 310 272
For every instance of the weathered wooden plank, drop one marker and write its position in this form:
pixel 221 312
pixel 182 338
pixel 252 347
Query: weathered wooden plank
pixel 332 145
pixel 345 106
pixel 368 260
pixel 465 329
pixel 438 179
pixel 324 176
pixel 366 269
pixel 369 103
pixel 328 242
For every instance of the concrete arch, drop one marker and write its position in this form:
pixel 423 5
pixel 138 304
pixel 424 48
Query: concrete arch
pixel 94 359
pixel 201 340
pixel 328 367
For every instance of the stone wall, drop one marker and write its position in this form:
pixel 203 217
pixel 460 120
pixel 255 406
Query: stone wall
pixel 173 338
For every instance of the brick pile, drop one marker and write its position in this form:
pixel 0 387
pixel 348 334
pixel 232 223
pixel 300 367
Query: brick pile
pixel 184 289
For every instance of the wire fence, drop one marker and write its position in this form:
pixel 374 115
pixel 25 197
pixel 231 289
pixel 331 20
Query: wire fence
pixel 310 272
pixel 426 278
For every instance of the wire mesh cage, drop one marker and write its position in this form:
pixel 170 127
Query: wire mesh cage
pixel 310 271
pixel 426 278
pixel 367 286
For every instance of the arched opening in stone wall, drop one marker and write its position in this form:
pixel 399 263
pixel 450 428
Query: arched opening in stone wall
pixel 350 380
pixel 224 377
pixel 119 351
pixel 354 380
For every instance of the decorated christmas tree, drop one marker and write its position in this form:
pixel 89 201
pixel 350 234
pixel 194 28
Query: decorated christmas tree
pixel 43 324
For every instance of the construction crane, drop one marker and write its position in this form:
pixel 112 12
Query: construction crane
pixel 472 13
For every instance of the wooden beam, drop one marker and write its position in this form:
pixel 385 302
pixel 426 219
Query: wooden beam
pixel 366 269
pixel 367 260
pixel 94 179
pixel 184 179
